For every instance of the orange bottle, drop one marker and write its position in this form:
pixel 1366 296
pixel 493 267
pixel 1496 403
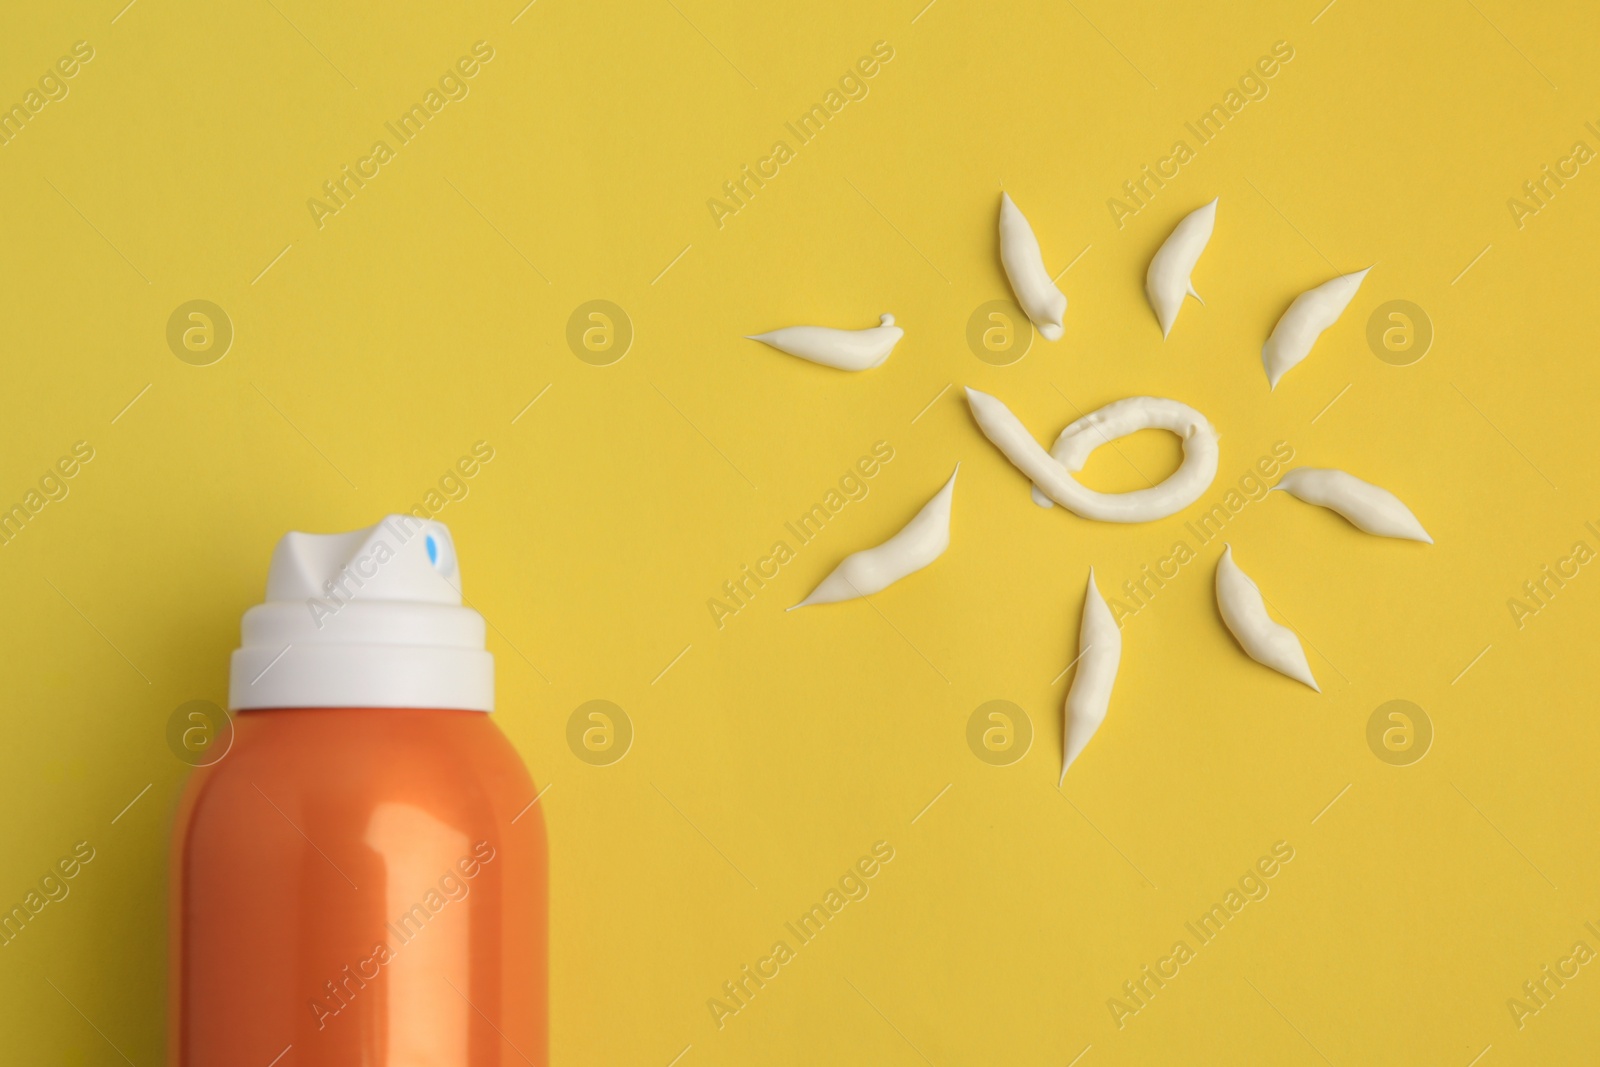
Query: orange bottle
pixel 360 880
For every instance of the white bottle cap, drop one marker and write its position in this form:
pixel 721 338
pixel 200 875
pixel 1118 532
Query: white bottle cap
pixel 367 619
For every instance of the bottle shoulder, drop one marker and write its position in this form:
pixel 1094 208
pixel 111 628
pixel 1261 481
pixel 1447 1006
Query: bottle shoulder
pixel 357 764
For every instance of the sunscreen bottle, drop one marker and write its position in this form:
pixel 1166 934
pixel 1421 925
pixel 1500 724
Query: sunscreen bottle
pixel 360 879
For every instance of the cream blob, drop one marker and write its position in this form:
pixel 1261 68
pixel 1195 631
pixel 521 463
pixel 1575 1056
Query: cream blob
pixel 1099 654
pixel 1245 612
pixel 1312 312
pixel 1367 506
pixel 1167 281
pixel 844 349
pixel 918 544
pixel 1052 473
pixel 1044 304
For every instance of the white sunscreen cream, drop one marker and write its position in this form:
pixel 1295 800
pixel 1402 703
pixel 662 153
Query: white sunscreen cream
pixel 1312 312
pixel 1099 654
pixel 919 543
pixel 1044 304
pixel 1168 281
pixel 1245 613
pixel 844 349
pixel 1370 508
pixel 1052 473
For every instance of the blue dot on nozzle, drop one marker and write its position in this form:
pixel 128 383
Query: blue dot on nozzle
pixel 433 550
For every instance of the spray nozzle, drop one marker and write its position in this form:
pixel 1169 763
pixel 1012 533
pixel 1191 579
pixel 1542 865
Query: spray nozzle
pixel 401 558
pixel 369 618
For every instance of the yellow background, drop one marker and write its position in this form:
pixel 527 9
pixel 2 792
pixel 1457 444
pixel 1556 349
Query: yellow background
pixel 428 313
